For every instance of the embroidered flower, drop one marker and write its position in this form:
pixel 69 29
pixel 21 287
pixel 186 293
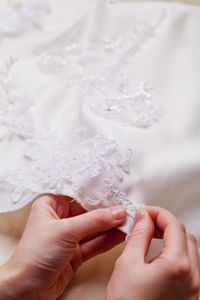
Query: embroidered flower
pixel 95 73
pixel 15 114
pixel 53 165
pixel 16 20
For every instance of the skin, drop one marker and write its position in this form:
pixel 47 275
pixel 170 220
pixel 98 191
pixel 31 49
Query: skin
pixel 172 275
pixel 60 236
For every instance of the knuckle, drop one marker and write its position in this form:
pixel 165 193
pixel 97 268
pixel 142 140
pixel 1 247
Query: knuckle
pixel 66 232
pixel 138 232
pixel 195 288
pixel 180 268
pixel 181 226
pixel 39 200
pixel 192 238
pixel 36 203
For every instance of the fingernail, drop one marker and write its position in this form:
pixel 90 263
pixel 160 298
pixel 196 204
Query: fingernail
pixel 141 214
pixel 118 213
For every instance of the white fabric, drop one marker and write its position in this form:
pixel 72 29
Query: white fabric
pixel 88 166
pixel 163 42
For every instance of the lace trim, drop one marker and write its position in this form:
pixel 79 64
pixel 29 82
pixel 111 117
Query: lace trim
pixel 120 104
pixel 14 21
pixel 15 114
pixel 101 85
pixel 90 169
pixel 53 165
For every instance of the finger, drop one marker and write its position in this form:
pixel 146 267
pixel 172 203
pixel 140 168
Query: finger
pixel 140 237
pixel 62 205
pixel 53 206
pixel 76 209
pixel 101 243
pixel 93 236
pixel 174 235
pixel 99 220
pixel 194 259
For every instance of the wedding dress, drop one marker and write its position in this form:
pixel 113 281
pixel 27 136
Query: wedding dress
pixel 99 100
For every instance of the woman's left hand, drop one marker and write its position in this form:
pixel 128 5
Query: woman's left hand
pixel 58 238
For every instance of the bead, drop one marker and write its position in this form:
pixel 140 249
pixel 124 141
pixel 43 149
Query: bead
pixel 103 86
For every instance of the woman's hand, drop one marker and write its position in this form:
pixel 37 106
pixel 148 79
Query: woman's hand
pixel 57 239
pixel 173 275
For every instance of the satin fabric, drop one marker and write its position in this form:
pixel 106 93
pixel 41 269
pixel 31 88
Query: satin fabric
pixel 166 167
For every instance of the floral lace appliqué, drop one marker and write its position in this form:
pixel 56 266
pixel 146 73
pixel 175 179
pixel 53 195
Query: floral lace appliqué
pixel 123 105
pixel 95 73
pixel 15 20
pixel 88 62
pixel 55 165
pixel 15 115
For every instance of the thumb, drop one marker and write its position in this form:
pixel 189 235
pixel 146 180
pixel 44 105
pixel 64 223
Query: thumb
pixel 93 222
pixel 140 237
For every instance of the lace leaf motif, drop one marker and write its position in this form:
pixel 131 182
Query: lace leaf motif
pixel 15 105
pixel 53 165
pixel 103 86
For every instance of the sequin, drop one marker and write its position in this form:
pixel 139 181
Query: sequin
pixel 95 73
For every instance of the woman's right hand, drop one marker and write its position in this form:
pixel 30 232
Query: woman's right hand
pixel 173 275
